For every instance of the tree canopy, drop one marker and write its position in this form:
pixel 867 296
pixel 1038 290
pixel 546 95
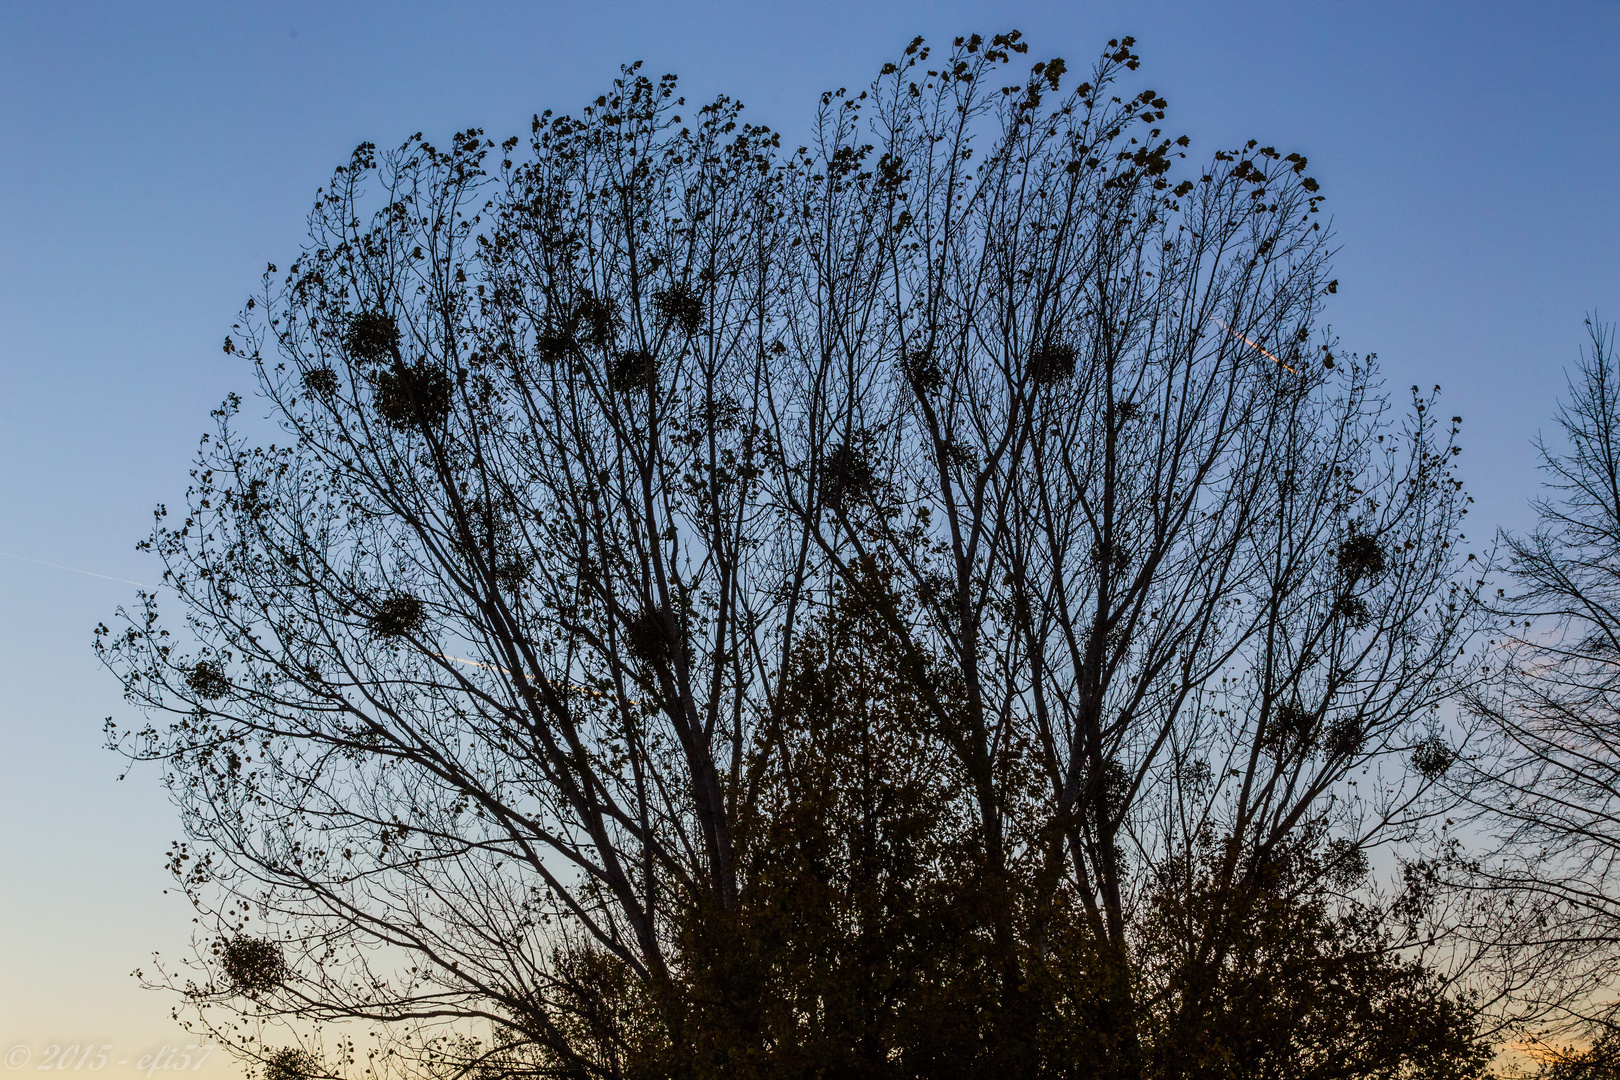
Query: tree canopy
pixel 933 601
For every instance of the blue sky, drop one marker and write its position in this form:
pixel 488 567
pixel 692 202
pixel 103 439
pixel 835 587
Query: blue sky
pixel 153 157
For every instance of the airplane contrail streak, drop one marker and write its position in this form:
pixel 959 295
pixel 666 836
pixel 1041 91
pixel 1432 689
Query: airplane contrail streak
pixel 1251 344
pixel 72 570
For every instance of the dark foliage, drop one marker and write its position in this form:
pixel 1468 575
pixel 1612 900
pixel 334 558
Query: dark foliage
pixel 398 615
pixel 681 306
pixel 1345 737
pixel 923 370
pixel 1291 730
pixel 372 337
pixel 413 395
pixel 1052 362
pixel 251 966
pixel 593 320
pixel 847 475
pixel 647 637
pixel 1299 986
pixel 1431 757
pixel 292 1063
pixel 322 381
pixel 1353 610
pixel 634 369
pixel 208 680
pixel 1598 1061
pixel 1361 558
pixel 554 346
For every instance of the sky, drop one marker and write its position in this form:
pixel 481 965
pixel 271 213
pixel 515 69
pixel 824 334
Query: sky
pixel 155 156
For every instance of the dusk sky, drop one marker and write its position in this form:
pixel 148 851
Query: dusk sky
pixel 157 155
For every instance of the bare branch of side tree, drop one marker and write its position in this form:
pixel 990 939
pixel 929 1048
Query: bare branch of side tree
pixel 1551 778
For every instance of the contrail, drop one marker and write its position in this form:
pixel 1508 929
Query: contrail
pixel 72 570
pixel 1250 344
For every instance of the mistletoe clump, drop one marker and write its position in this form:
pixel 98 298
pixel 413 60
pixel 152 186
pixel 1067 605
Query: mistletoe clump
pixel 636 369
pixel 1052 362
pixel 252 966
pixel 399 615
pixel 207 680
pixel 372 337
pixel 681 305
pixel 291 1063
pixel 1361 557
pixel 416 394
pixel 321 381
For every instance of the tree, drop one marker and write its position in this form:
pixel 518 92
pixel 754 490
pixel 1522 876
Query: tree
pixel 1599 1061
pixel 898 607
pixel 1551 781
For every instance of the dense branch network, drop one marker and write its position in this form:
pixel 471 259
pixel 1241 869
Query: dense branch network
pixel 714 608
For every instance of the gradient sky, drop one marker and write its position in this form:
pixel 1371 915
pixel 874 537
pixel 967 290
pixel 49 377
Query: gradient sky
pixel 153 157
